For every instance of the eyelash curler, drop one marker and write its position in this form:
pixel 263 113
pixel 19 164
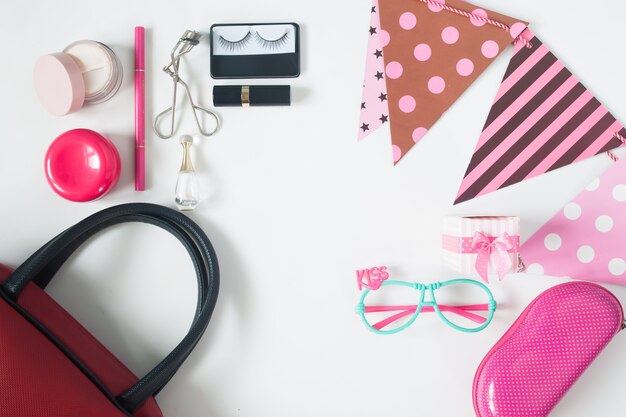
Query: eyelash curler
pixel 185 44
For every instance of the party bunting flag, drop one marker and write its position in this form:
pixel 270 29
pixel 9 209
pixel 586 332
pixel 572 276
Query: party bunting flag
pixel 587 239
pixel 422 55
pixel 542 119
pixel 374 110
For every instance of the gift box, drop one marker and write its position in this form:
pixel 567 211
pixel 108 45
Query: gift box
pixel 483 245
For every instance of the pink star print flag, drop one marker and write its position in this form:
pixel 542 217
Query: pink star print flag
pixel 587 239
pixel 421 56
pixel 542 119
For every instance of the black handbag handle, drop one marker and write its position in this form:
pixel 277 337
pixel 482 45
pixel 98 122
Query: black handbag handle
pixel 43 264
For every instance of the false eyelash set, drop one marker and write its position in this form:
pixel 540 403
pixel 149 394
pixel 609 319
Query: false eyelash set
pixel 269 44
pixel 269 50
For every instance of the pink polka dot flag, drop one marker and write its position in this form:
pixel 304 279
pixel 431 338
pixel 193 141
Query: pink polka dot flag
pixel 587 238
pixel 420 60
pixel 542 119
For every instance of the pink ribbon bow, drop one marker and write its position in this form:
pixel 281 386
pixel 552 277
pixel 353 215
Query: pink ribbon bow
pixel 486 247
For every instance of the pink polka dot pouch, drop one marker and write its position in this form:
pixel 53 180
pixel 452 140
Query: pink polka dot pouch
pixel 546 350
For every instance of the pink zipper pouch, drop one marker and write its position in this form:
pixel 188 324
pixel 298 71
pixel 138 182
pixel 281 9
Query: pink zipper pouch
pixel 546 350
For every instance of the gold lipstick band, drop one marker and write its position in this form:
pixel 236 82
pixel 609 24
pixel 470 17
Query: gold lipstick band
pixel 245 96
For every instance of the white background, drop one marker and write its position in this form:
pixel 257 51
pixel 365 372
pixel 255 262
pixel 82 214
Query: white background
pixel 293 206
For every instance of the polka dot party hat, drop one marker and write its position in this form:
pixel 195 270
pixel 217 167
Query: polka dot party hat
pixel 422 55
pixel 586 239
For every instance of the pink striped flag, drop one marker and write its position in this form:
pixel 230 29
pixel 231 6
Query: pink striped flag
pixel 542 119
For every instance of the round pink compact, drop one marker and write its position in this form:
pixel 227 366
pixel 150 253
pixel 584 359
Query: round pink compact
pixel 82 165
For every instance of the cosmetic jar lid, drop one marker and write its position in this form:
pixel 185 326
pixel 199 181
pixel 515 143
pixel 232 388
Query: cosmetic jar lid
pixel 82 165
pixel 59 84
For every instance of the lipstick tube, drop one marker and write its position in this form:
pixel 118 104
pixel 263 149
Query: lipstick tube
pixel 251 95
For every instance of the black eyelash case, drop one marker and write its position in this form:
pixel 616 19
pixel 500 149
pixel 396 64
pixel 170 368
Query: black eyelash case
pixel 255 50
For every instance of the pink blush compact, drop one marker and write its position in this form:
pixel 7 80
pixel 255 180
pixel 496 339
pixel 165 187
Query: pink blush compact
pixel 82 165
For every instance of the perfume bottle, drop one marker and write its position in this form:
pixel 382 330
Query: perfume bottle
pixel 187 193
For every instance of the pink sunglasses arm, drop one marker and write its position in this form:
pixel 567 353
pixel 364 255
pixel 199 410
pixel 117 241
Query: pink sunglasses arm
pixel 383 323
pixel 410 309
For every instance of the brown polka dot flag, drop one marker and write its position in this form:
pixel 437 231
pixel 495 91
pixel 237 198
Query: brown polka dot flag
pixel 432 51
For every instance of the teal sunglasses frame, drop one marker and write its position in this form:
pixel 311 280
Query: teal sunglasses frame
pixel 428 307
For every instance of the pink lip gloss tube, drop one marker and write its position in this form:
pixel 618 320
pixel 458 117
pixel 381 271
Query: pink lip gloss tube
pixel 140 110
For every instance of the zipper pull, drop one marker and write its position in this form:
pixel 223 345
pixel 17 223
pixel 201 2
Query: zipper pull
pixel 521 267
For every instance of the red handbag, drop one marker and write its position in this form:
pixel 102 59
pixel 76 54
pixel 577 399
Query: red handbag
pixel 51 366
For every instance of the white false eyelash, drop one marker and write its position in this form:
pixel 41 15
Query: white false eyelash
pixel 232 46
